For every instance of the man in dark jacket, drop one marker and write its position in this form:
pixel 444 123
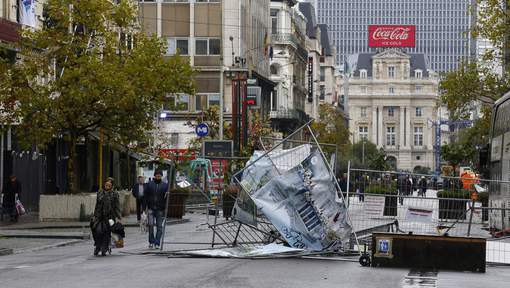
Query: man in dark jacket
pixel 155 197
pixel 11 192
pixel 423 186
pixel 138 192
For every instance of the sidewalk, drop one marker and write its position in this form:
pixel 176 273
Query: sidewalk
pixel 29 234
pixel 31 221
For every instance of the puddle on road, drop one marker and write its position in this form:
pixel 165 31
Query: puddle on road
pixel 420 278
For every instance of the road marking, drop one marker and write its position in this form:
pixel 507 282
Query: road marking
pixel 420 278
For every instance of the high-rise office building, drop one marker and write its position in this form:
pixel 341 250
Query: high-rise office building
pixel 442 27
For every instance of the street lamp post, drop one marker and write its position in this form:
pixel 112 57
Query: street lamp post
pixel 363 150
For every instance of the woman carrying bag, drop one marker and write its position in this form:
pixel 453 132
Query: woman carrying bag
pixel 106 212
pixel 10 203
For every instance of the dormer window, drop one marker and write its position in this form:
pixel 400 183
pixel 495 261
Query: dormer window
pixel 418 74
pixel 363 74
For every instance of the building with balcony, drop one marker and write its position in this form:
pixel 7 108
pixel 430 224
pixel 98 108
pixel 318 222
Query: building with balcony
pixel 314 48
pixel 392 98
pixel 288 66
pixel 327 92
pixel 228 43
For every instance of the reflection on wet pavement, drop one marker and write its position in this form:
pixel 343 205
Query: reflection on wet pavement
pixel 420 278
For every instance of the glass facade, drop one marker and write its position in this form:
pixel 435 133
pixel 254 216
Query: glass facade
pixel 442 27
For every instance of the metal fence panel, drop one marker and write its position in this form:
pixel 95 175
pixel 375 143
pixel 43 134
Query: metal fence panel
pixel 404 202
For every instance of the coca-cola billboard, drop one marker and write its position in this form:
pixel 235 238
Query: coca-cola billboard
pixel 391 35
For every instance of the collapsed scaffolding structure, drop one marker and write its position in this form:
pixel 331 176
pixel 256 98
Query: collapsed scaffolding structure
pixel 289 195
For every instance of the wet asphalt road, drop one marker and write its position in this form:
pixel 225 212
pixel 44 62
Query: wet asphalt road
pixel 74 266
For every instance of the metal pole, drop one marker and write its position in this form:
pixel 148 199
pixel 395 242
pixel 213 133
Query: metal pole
pixel 273 148
pixel 222 69
pixel 471 216
pixel 222 92
pixel 337 186
pixel 171 183
pixel 363 150
pixel 2 162
pixel 100 159
pixel 336 159
pixel 348 181
pixel 216 208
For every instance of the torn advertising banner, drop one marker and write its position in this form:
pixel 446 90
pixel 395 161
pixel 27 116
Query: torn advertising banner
pixel 302 204
pixel 271 165
pixel 259 173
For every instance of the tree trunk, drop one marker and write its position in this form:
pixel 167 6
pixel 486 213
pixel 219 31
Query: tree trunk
pixel 71 176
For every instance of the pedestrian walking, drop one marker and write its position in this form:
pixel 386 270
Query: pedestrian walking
pixel 138 192
pixel 106 213
pixel 401 184
pixel 409 186
pixel 423 186
pixel 360 189
pixel 155 197
pixel 10 193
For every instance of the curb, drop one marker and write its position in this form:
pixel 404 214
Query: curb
pixel 85 225
pixel 23 234
pixel 35 249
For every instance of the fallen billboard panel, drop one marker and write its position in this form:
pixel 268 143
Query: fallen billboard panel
pixel 303 205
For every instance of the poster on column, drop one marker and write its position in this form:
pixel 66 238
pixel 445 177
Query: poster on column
pixel 28 13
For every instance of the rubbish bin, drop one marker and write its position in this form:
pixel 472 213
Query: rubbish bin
pixel 176 202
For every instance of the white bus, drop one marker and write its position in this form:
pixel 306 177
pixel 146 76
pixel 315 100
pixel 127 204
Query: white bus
pixel 499 192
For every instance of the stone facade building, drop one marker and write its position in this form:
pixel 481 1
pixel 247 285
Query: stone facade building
pixel 442 27
pixel 288 66
pixel 392 98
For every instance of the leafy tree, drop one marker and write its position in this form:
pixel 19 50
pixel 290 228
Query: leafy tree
pixel 330 128
pixel 422 170
pixel 493 24
pixel 464 151
pixel 365 155
pixel 455 154
pixel 477 84
pixel 472 84
pixel 89 69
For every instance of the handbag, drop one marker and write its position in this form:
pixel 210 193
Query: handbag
pixel 20 208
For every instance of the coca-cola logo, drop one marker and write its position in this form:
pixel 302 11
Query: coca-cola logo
pixel 391 35
pixel 384 33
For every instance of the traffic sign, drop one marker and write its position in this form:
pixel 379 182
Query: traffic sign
pixel 202 130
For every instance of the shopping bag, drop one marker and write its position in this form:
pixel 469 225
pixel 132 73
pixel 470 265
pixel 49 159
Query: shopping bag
pixel 117 241
pixel 20 208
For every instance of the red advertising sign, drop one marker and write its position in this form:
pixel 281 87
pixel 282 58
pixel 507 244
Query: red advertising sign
pixel 391 35
pixel 178 154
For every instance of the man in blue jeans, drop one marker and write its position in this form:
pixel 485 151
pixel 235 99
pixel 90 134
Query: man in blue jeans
pixel 155 197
